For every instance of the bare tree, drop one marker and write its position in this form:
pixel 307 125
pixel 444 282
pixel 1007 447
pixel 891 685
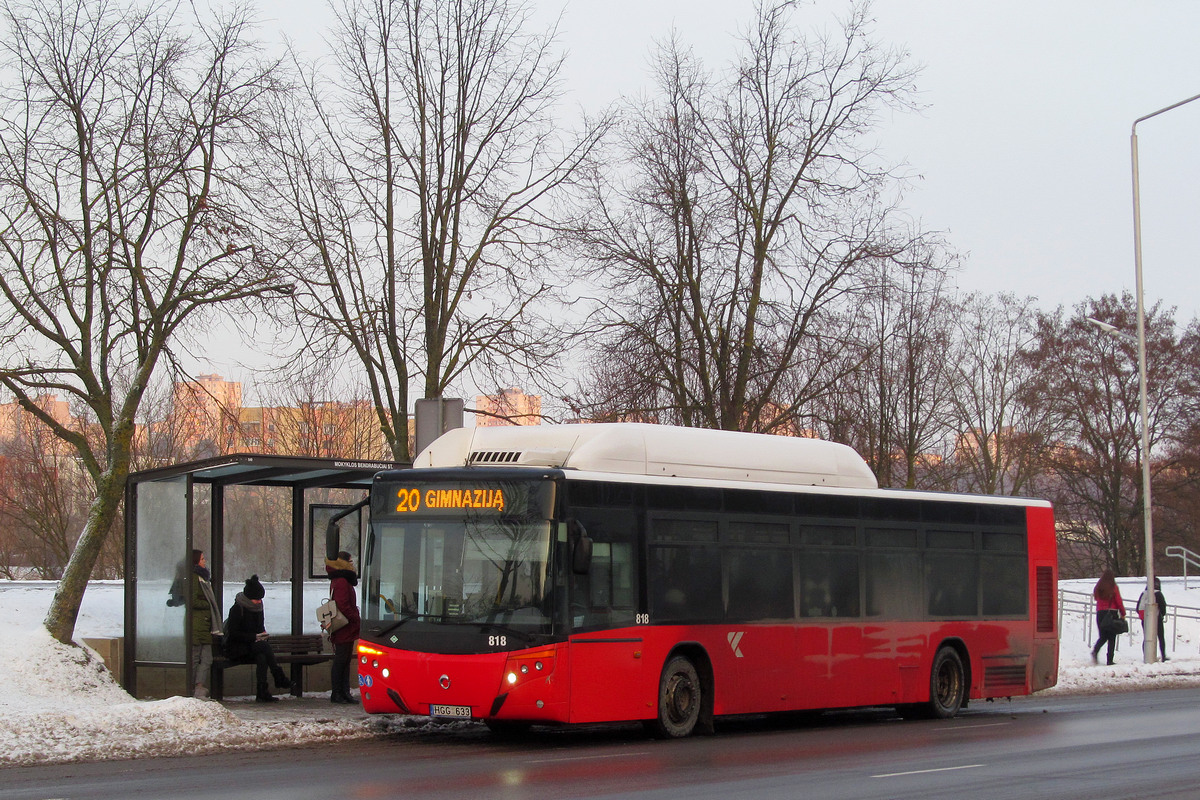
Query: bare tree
pixel 420 199
pixel 124 214
pixel 745 212
pixel 902 386
pixel 1002 428
pixel 1177 490
pixel 1088 382
pixel 38 495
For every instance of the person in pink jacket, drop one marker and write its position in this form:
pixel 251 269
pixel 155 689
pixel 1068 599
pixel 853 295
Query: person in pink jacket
pixel 342 580
pixel 1109 609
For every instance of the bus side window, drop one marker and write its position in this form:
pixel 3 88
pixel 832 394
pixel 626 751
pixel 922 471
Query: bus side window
pixel 607 594
pixel 829 582
pixel 685 584
pixel 894 585
pixel 760 583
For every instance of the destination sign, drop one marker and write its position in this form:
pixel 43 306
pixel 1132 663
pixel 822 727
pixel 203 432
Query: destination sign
pixel 413 499
pixel 463 498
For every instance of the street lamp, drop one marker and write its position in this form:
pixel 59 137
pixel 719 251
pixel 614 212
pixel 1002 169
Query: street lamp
pixel 1113 330
pixel 1150 643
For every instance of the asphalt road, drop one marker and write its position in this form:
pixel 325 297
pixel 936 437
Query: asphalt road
pixel 1127 745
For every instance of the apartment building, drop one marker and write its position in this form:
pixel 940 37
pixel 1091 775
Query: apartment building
pixel 510 407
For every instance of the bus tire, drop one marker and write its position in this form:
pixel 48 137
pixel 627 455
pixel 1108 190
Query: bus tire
pixel 947 684
pixel 679 699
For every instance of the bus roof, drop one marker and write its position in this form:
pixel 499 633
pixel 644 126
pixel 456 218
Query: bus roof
pixel 628 448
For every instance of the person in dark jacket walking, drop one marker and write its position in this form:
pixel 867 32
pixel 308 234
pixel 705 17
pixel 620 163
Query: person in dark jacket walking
pixel 206 624
pixel 246 639
pixel 342 580
pixel 1161 602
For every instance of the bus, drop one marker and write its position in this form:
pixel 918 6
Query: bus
pixel 589 573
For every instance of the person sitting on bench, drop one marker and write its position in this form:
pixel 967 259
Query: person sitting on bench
pixel 246 639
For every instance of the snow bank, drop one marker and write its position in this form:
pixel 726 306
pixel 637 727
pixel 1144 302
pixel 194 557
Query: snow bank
pixel 60 704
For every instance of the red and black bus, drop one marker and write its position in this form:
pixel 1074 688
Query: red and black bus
pixel 593 573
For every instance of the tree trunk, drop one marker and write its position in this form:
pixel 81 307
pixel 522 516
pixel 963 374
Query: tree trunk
pixel 64 608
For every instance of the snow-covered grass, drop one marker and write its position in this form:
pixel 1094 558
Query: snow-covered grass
pixel 59 704
pixel 1077 674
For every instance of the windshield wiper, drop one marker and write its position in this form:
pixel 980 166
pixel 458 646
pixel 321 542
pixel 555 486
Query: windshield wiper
pixel 406 617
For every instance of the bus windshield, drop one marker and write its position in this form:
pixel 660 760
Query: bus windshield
pixel 490 570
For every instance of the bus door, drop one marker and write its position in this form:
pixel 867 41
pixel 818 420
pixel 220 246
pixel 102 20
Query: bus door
pixel 830 642
pixel 760 633
pixel 607 643
pixel 606 671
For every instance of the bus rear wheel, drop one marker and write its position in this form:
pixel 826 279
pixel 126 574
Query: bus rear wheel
pixel 679 699
pixel 947 684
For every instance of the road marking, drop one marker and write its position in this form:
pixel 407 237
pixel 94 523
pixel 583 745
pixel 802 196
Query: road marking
pixel 586 758
pixel 957 728
pixel 926 771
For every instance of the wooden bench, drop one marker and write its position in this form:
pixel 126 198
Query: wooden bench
pixel 298 650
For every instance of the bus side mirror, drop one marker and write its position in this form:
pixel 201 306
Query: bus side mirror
pixel 581 548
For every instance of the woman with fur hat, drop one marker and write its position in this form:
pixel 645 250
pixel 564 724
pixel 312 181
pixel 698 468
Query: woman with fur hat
pixel 342 580
pixel 246 639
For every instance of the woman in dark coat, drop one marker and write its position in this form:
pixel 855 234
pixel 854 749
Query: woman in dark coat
pixel 342 580
pixel 1161 603
pixel 1109 608
pixel 246 639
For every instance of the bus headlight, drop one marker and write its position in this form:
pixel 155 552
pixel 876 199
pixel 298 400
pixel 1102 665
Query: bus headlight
pixel 512 678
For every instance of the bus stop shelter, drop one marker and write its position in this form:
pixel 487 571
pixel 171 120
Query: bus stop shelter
pixel 251 514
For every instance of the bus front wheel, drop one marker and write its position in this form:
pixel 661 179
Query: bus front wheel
pixel 679 699
pixel 947 684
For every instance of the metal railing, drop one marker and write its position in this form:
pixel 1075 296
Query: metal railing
pixel 1188 557
pixel 1071 602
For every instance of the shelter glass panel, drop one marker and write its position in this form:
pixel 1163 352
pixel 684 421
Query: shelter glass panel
pixel 163 571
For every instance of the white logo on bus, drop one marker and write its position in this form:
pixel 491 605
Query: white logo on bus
pixel 734 638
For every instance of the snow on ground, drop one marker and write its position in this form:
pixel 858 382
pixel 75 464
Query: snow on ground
pixel 60 704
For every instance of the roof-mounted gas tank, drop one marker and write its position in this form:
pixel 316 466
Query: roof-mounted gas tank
pixel 655 450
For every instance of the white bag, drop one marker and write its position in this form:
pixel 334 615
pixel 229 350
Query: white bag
pixel 329 617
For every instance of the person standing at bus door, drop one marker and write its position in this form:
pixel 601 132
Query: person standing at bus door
pixel 1109 608
pixel 206 624
pixel 1161 602
pixel 342 580
pixel 246 639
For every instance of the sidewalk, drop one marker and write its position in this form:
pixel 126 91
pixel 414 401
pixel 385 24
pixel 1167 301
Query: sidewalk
pixel 314 713
pixel 313 707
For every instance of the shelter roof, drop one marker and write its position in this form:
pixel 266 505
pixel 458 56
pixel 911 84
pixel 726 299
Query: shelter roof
pixel 272 470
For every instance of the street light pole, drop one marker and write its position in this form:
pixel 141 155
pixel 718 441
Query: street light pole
pixel 1150 643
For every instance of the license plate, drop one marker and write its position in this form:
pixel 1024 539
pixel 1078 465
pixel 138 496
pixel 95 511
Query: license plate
pixel 458 712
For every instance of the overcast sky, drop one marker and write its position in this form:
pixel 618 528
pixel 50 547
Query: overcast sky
pixel 1023 148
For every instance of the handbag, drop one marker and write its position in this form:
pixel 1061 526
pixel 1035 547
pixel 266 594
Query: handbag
pixel 330 617
pixel 1117 625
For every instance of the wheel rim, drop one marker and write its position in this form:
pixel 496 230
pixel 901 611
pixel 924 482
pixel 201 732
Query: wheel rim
pixel 949 684
pixel 681 698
